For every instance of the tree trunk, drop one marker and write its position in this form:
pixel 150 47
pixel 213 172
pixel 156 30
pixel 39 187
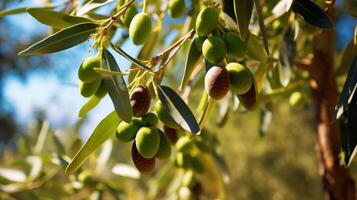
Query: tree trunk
pixel 337 182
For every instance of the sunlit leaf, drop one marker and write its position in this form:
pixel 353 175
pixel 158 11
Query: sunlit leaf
pixel 262 26
pixel 282 7
pixel 192 59
pixel 116 87
pixel 55 19
pixel 126 171
pixel 105 129
pixel 265 119
pixel 312 13
pixel 178 109
pixel 243 11
pixel 89 105
pixel 61 40
pixel 255 48
pixel 12 174
pixel 36 166
pixel 91 5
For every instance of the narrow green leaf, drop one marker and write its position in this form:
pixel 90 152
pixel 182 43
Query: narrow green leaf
pixel 105 129
pixel 55 19
pixel 286 59
pixel 255 48
pixel 348 91
pixel 228 8
pixel 243 11
pixel 15 11
pixel 91 103
pixel 178 109
pixel 265 119
pixel 116 87
pixel 192 59
pixel 128 57
pixel 262 26
pixel 91 5
pixel 312 13
pixel 61 40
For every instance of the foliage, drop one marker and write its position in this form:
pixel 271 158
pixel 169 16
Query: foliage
pixel 273 36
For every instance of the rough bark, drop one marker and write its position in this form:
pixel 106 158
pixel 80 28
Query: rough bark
pixel 337 182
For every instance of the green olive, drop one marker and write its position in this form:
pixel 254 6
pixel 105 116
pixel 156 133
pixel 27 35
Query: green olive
pixel 147 141
pixel 164 148
pixel 140 28
pixel 86 73
pixel 150 119
pixel 236 47
pixel 129 15
pixel 217 82
pixel 102 91
pixel 214 49
pixel 207 21
pixel 144 165
pixel 127 131
pixel 199 42
pixel 177 8
pixel 241 78
pixel 88 89
pixel 164 116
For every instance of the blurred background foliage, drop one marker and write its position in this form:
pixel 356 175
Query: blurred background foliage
pixel 280 164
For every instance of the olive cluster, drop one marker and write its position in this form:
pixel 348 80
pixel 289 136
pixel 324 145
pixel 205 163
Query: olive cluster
pixel 149 141
pixel 90 81
pixel 215 46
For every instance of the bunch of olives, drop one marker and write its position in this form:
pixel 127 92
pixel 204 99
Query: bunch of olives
pixel 150 142
pixel 215 45
pixel 90 81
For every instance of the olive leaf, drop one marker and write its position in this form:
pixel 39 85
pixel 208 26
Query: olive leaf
pixel 55 19
pixel 262 26
pixel 91 5
pixel 128 57
pixel 61 40
pixel 312 13
pixel 192 59
pixel 265 119
pixel 178 109
pixel 105 129
pixel 89 105
pixel 116 87
pixel 282 7
pixel 255 49
pixel 243 12
pixel 15 11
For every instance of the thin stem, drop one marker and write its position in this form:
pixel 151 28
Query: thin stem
pixel 144 6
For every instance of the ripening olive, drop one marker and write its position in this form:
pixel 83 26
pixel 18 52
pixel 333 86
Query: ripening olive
pixel 147 141
pixel 164 148
pixel 88 89
pixel 183 160
pixel 129 15
pixel 164 116
pixel 140 28
pixel 86 73
pixel 102 91
pixel 184 144
pixel 241 78
pixel 217 82
pixel 214 49
pixel 198 41
pixel 177 8
pixel 171 134
pixel 140 100
pixel 150 119
pixel 207 21
pixel 236 47
pixel 144 165
pixel 127 131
